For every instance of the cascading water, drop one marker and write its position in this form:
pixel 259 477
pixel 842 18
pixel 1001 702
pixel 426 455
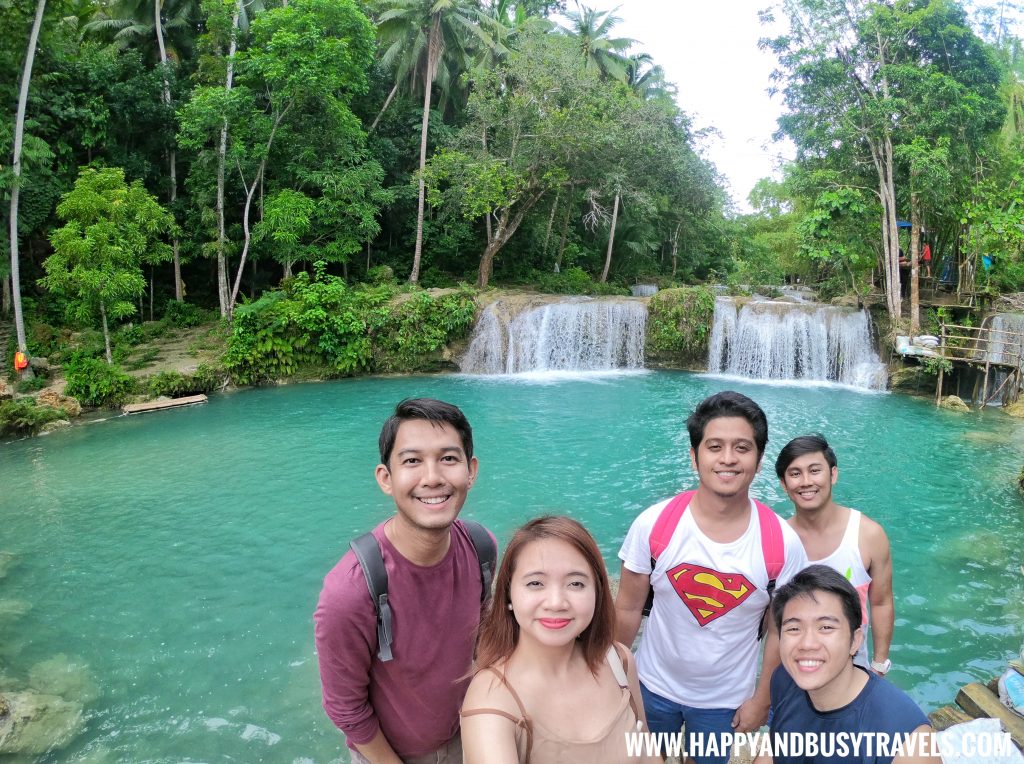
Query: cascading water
pixel 575 334
pixel 786 341
pixel 1008 347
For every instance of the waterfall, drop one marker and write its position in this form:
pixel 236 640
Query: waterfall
pixel 575 334
pixel 1003 346
pixel 786 341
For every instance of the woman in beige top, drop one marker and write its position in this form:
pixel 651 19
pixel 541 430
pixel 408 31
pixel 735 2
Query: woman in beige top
pixel 551 686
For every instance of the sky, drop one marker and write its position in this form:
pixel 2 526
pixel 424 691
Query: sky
pixel 709 50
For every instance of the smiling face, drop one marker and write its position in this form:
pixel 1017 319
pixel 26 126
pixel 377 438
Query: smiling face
pixel 726 459
pixel 553 592
pixel 817 648
pixel 428 474
pixel 808 480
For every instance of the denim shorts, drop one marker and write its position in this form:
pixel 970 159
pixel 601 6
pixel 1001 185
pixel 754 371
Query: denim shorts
pixel 664 715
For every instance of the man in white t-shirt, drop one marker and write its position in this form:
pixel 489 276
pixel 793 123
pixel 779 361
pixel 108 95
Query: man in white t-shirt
pixel 841 538
pixel 697 659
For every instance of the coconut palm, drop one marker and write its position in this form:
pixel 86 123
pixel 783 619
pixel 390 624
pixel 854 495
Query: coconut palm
pixel 426 41
pixel 19 132
pixel 604 54
pixel 132 24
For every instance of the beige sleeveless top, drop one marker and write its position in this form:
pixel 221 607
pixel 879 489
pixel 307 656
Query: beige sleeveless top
pixel 538 744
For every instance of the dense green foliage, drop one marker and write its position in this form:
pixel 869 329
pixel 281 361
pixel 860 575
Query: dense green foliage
pixel 174 384
pixel 96 383
pixel 679 324
pixel 24 417
pixel 320 326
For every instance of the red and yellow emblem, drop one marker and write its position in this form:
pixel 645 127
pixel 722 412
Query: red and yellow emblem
pixel 707 593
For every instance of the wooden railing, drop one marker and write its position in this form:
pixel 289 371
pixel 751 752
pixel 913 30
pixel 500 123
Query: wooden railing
pixel 983 346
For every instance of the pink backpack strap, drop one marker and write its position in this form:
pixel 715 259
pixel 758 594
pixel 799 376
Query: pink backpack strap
pixel 772 545
pixel 667 522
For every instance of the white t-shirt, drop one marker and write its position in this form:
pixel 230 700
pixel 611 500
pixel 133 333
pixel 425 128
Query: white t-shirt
pixel 700 646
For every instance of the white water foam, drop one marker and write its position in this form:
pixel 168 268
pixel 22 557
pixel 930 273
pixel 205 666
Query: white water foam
pixel 785 341
pixel 575 335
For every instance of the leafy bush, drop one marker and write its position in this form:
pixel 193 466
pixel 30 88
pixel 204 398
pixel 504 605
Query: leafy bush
pixel 30 385
pixel 96 383
pixel 185 315
pixel 321 326
pixel 24 417
pixel 679 322
pixel 173 384
pixel 409 329
pixel 573 280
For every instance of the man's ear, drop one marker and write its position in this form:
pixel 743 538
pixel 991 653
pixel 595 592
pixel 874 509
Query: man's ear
pixel 383 476
pixel 857 641
pixel 474 468
pixel 693 459
pixel 835 475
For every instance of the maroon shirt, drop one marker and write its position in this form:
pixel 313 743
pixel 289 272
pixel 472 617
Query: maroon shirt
pixel 415 698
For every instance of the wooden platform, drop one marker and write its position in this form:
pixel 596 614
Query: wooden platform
pixel 173 403
pixel 975 701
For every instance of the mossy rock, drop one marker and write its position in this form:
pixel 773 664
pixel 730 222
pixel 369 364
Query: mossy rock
pixel 954 403
pixel 5 707
pixel 679 325
pixel 36 724
pixel 913 380
pixel 1015 409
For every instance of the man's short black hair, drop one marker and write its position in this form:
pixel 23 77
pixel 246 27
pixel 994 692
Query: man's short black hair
pixel 432 410
pixel 805 444
pixel 819 578
pixel 728 403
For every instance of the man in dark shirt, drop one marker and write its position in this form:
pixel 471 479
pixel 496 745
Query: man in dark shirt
pixel 821 698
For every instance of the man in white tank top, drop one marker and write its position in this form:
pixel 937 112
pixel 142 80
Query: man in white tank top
pixel 841 538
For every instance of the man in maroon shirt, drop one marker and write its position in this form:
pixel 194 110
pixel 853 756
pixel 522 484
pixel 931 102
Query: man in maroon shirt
pixel 406 710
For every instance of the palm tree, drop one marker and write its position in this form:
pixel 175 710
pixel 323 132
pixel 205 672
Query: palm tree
pixel 133 23
pixel 647 80
pixel 602 53
pixel 424 39
pixel 19 134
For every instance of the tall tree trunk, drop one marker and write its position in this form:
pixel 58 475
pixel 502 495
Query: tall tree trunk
pixel 106 334
pixel 173 154
pixel 19 135
pixel 5 295
pixel 611 240
pixel 487 217
pixel 675 248
pixel 256 183
pixel 551 221
pixel 222 267
pixel 561 242
pixel 433 56
pixel 384 108
pixel 508 224
pixel 915 246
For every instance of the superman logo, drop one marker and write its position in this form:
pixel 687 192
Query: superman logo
pixel 706 592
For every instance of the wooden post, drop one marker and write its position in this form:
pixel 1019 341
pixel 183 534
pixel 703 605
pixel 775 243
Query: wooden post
pixel 984 385
pixel 942 357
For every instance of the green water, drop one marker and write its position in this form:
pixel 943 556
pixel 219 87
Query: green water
pixel 164 568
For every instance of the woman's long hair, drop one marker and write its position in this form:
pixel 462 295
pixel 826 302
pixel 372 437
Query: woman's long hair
pixel 499 630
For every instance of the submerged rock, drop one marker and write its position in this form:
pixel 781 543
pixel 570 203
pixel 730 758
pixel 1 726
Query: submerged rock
pixel 59 424
pixel 37 723
pixel 13 609
pixel 62 675
pixel 954 403
pixel 4 707
pixel 6 563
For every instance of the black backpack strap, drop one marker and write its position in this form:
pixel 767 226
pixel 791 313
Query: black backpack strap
pixel 367 551
pixel 767 611
pixel 486 552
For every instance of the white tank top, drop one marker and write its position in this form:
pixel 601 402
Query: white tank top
pixel 847 560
